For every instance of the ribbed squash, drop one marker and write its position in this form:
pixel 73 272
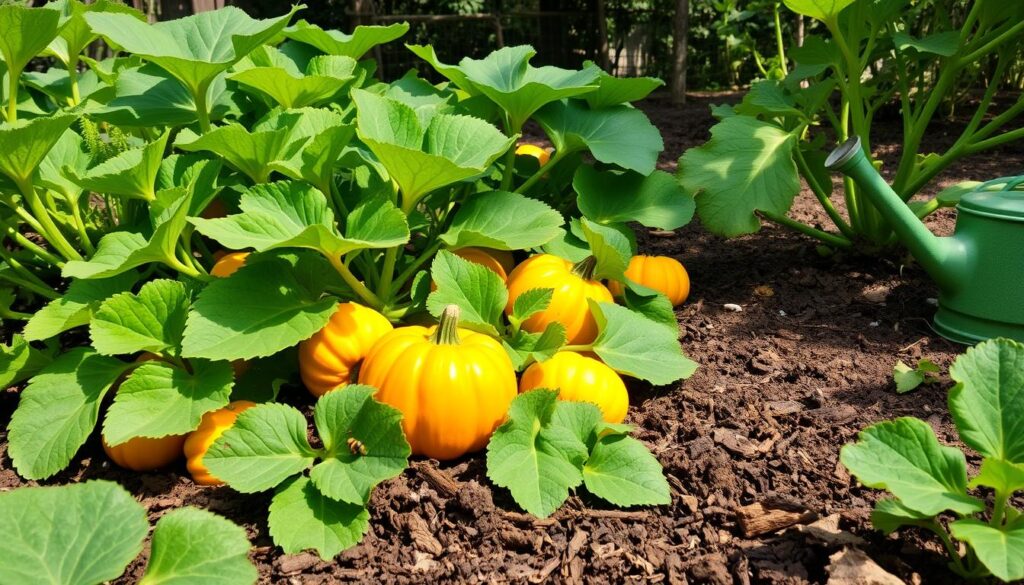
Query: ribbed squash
pixel 144 453
pixel 661 273
pixel 329 359
pixel 573 285
pixel 452 385
pixel 199 441
pixel 582 379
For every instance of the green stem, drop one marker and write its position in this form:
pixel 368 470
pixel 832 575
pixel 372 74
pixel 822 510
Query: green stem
pixel 543 170
pixel 387 274
pixel 930 207
pixel 1001 38
pixel 830 239
pixel 780 45
pixel 447 332
pixel 585 268
pixel 12 99
pixel 340 209
pixel 202 113
pixel 819 192
pixel 83 236
pixel 32 246
pixel 76 96
pixel 182 266
pixel 954 555
pixel 411 269
pixel 30 281
pixel 50 231
pixel 996 141
pixel 999 509
pixel 14 315
pixel 578 348
pixel 357 287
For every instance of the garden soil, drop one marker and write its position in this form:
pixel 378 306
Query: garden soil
pixel 783 383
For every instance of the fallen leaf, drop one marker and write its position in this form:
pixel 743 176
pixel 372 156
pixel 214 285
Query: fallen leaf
pixel 851 566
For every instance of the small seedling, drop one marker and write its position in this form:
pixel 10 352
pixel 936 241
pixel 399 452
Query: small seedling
pixel 908 379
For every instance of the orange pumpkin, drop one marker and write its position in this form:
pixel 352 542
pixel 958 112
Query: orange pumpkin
pixel 661 273
pixel 452 385
pixel 573 284
pixel 144 453
pixel 228 264
pixel 210 428
pixel 582 379
pixel 328 360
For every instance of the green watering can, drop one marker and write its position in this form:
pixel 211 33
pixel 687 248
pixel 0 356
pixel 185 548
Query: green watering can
pixel 979 269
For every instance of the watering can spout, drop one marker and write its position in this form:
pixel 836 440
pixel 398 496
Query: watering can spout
pixel 943 258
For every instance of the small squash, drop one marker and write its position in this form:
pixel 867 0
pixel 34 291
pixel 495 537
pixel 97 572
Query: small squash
pixel 144 453
pixel 328 360
pixel 573 284
pixel 228 264
pixel 661 273
pixel 542 155
pixel 210 428
pixel 452 385
pixel 582 379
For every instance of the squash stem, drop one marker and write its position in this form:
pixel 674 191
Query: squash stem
pixel 585 268
pixel 447 332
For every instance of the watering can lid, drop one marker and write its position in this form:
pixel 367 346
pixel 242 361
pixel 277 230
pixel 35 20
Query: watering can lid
pixel 1007 201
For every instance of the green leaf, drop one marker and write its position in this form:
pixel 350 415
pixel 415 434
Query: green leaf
pixel 334 42
pixel 1002 476
pixel 25 32
pixel 67 152
pixel 261 309
pixel 622 471
pixel 906 378
pixel 193 49
pixel 619 135
pixel 610 246
pixel 944 44
pixel 524 348
pixel 158 400
pixel 520 89
pixel 531 302
pixel 582 419
pixel 79 533
pixel 20 361
pixel 768 97
pixel 420 159
pixel 650 303
pixel 131 173
pixel 263 380
pixel 352 413
pixel 612 91
pixel 302 518
pixel 249 152
pixel 890 514
pixel 746 166
pixel 153 320
pixel 25 143
pixel 904 457
pixel 58 411
pixel 1000 550
pixel 537 461
pixel 656 200
pixel 477 290
pixel 290 214
pixel 119 252
pixel 950 196
pixel 987 403
pixel 266 445
pixel 824 10
pixel 634 345
pixel 147 96
pixel 75 32
pixel 504 221
pixel 292 91
pixel 196 546
pixel 77 305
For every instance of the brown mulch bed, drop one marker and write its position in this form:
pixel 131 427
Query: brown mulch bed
pixel 783 384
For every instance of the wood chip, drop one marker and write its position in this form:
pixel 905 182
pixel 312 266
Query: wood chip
pixel 442 483
pixel 850 566
pixel 757 518
pixel 421 535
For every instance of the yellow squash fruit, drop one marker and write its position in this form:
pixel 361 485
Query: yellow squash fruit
pixel 228 264
pixel 452 385
pixel 542 155
pixel 144 453
pixel 661 273
pixel 329 359
pixel 199 441
pixel 581 379
pixel 573 285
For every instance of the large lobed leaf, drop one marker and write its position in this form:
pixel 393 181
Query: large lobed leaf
pixel 988 401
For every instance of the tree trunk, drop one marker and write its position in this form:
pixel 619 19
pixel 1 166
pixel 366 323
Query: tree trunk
pixel 602 36
pixel 681 24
